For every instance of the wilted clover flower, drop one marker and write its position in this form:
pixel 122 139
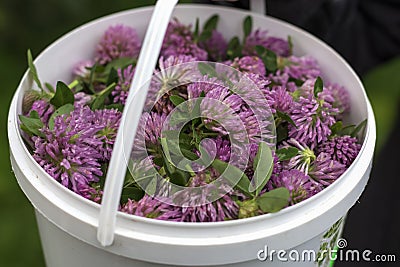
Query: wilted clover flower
pixel 117 42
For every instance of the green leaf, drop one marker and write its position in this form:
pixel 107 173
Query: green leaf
pixel 209 26
pixel 230 172
pixel 359 128
pixel 286 153
pixel 274 200
pixel 247 26
pixel 189 154
pixel 347 130
pixel 131 193
pixel 119 63
pixel 262 166
pixel 234 49
pixel 116 106
pixel 285 117
pixel 177 178
pixel 290 42
pixel 33 70
pixel 336 128
pixel 318 86
pixel 281 132
pixel 297 82
pixel 205 35
pixel 176 100
pixel 151 188
pixel 50 87
pixel 66 109
pixel 98 102
pixel 32 125
pixel 211 23
pixel 196 29
pixel 62 96
pixel 207 69
pixel 112 77
pixel 268 57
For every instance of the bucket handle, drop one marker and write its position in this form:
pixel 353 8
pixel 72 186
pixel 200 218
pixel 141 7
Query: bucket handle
pixel 129 121
pixel 258 6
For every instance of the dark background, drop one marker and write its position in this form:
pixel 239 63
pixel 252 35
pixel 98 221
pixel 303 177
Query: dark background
pixel 366 33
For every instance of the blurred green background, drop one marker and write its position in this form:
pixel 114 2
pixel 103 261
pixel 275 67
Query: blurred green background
pixel 35 24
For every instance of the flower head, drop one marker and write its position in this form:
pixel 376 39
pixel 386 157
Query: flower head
pixel 304 158
pixel 326 170
pixel 338 97
pixel 258 37
pixel 218 147
pixel 279 99
pixel 170 80
pixel 67 153
pixel 81 69
pixel 251 64
pixel 313 119
pixel 81 99
pixel 300 185
pixel 216 46
pixel 343 149
pixel 281 78
pixel 194 205
pixel 301 68
pixel 117 42
pixel 179 40
pixel 148 133
pixel 121 90
pixel 109 120
pixel 151 208
pixel 44 109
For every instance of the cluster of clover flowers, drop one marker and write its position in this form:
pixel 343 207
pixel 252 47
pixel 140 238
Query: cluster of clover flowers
pixel 71 129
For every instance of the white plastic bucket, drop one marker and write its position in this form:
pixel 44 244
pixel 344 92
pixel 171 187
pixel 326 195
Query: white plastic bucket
pixel 68 222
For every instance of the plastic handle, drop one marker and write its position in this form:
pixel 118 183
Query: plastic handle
pixel 258 6
pixel 144 70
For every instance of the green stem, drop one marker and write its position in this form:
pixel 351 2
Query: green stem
pixel 73 84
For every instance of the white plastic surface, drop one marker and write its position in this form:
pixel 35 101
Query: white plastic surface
pixel 138 91
pixel 146 240
pixel 258 6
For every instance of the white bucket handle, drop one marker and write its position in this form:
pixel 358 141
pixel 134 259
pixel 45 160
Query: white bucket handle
pixel 258 6
pixel 144 70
